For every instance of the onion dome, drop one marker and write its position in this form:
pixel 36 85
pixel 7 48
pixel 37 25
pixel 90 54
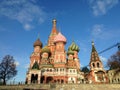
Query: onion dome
pixel 70 52
pixel 74 47
pixel 60 38
pixel 45 49
pixel 37 43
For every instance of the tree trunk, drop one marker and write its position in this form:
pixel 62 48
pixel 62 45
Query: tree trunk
pixel 4 81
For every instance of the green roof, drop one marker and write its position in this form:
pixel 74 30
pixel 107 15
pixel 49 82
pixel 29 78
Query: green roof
pixel 47 65
pixel 74 47
pixel 70 52
pixel 35 66
pixel 45 49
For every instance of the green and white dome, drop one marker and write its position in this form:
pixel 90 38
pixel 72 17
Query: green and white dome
pixel 74 47
pixel 70 52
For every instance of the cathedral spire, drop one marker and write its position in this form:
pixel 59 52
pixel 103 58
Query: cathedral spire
pixel 93 47
pixel 53 33
pixel 94 55
pixel 54 29
pixel 54 21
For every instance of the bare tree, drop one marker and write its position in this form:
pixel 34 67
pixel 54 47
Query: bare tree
pixel 7 69
pixel 114 63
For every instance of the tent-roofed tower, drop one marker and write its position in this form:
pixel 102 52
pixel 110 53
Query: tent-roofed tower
pixel 52 35
pixel 95 62
pixel 97 72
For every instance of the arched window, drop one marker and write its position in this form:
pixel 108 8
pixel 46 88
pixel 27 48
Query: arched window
pixel 50 70
pixel 57 69
pixel 118 79
pixel 93 65
pixel 98 65
pixel 60 69
pixel 74 71
pixel 47 70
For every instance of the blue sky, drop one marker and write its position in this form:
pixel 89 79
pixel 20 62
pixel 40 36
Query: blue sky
pixel 80 20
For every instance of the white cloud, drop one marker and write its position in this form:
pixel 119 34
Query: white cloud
pixel 28 27
pixel 24 11
pixel 101 7
pixel 99 31
pixel 103 59
pixel 17 63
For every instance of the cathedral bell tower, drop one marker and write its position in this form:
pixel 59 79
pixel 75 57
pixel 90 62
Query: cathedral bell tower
pixel 97 72
pixel 95 62
pixel 53 34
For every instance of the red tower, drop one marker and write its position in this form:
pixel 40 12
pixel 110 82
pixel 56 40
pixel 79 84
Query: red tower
pixel 97 73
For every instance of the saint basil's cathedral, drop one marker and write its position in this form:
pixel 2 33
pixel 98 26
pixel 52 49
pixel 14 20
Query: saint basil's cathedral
pixel 53 64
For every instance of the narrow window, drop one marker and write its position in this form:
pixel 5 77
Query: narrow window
pixel 93 65
pixel 98 65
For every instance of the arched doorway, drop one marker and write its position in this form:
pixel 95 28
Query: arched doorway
pixel 58 81
pixel 100 76
pixel 49 79
pixel 62 81
pixel 42 79
pixel 55 81
pixel 34 78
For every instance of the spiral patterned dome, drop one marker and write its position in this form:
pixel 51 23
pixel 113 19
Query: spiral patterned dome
pixel 73 47
pixel 70 52
pixel 60 38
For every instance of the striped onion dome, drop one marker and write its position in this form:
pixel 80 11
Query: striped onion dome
pixel 45 49
pixel 74 47
pixel 70 52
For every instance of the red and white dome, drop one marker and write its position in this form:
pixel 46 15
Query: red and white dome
pixel 60 38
